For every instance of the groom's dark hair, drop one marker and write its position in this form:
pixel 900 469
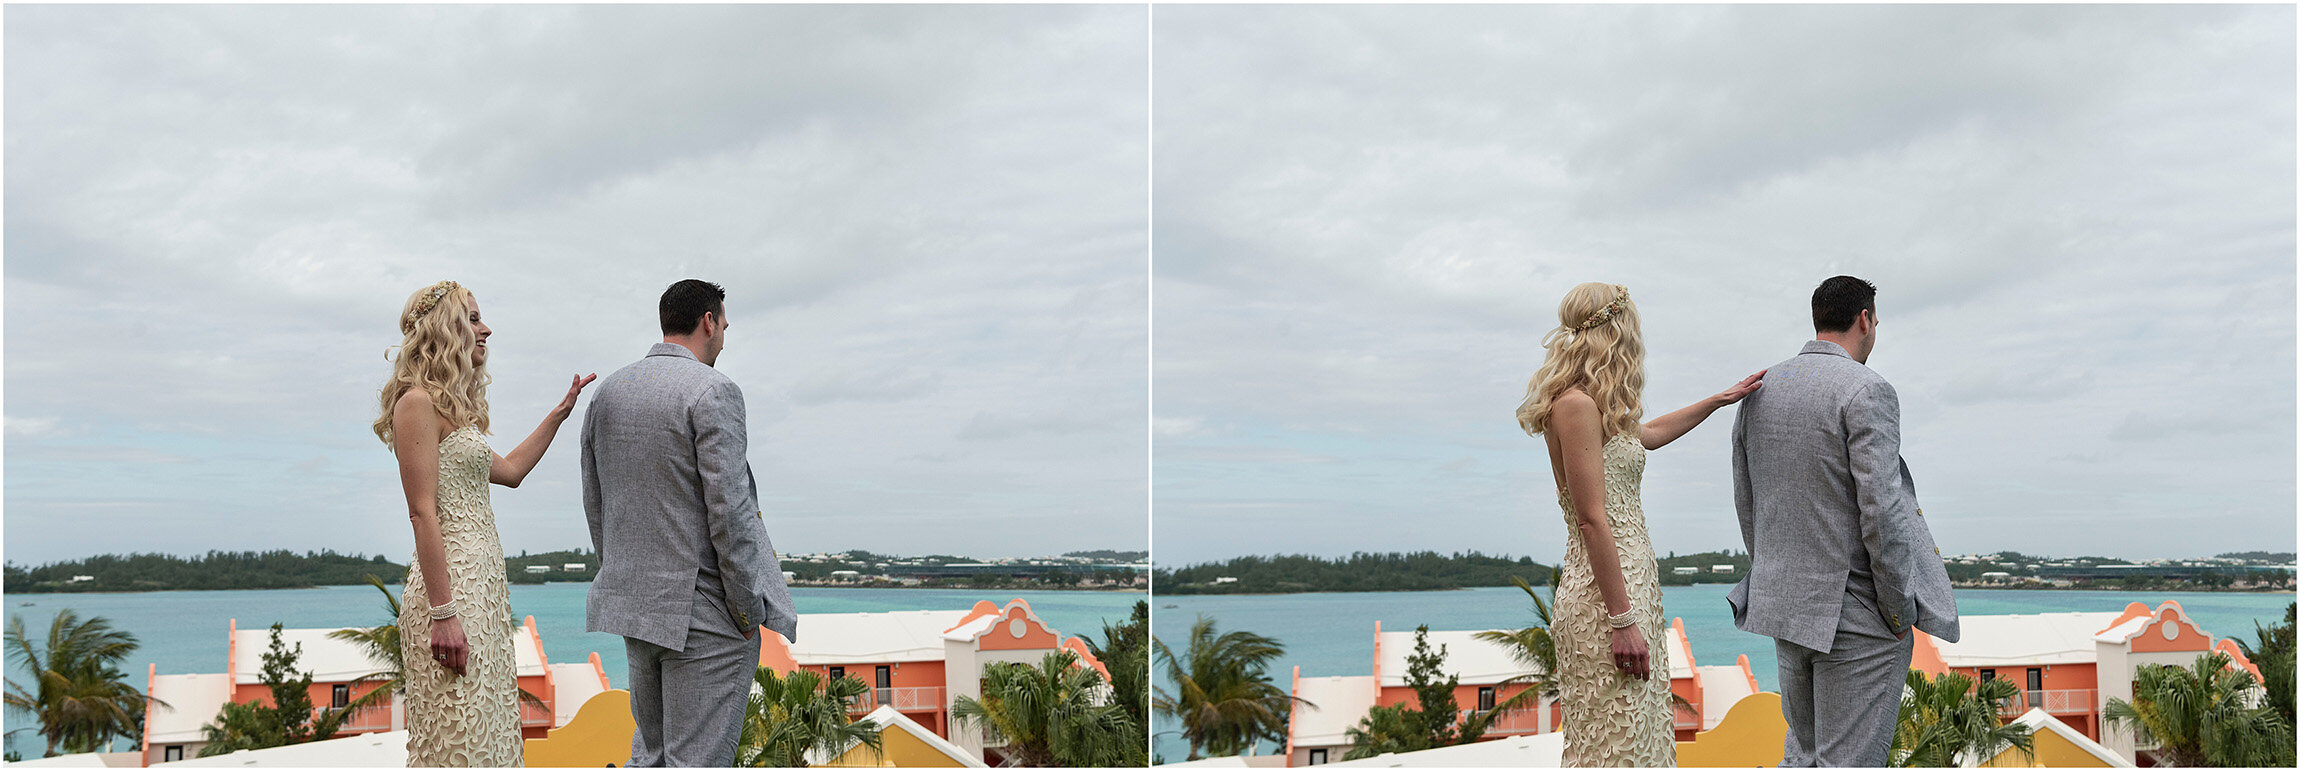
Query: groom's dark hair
pixel 1839 302
pixel 685 303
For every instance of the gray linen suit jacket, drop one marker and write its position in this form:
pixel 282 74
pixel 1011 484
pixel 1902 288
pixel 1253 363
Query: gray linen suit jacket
pixel 673 507
pixel 1828 508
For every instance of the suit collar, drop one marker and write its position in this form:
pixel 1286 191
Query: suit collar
pixel 672 349
pixel 1824 346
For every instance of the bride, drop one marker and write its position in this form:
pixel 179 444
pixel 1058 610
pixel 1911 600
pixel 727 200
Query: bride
pixel 1585 402
pixel 455 627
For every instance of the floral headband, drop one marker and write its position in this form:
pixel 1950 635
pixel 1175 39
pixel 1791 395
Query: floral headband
pixel 1606 313
pixel 431 300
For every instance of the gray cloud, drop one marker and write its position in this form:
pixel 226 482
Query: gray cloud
pixel 2080 219
pixel 215 213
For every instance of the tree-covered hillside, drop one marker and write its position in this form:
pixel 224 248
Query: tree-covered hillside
pixel 279 569
pixel 1360 572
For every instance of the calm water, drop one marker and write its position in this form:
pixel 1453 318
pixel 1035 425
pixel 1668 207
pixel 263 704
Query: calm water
pixel 186 632
pixel 1332 634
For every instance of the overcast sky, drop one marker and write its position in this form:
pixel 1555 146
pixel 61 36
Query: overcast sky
pixel 2080 220
pixel 930 222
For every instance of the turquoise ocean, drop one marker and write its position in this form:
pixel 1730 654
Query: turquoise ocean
pixel 1332 634
pixel 186 632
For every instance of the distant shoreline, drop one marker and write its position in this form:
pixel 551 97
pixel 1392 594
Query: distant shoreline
pixel 1129 590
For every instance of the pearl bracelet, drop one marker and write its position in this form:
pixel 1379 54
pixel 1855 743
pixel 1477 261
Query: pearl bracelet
pixel 443 611
pixel 1621 621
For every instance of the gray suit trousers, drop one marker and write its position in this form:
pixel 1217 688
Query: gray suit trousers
pixel 689 703
pixel 1842 705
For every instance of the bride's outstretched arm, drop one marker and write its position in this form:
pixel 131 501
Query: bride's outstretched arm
pixel 1581 439
pixel 415 439
pixel 510 470
pixel 1660 431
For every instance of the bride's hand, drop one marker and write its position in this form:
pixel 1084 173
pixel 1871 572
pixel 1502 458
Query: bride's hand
pixel 447 644
pixel 1748 385
pixel 1629 654
pixel 566 405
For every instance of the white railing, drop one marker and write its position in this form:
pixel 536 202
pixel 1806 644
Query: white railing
pixel 2068 701
pixel 1523 721
pixel 905 699
pixel 374 717
pixel 532 714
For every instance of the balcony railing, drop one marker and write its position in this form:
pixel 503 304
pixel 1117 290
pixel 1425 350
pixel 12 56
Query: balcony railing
pixel 532 714
pixel 1523 721
pixel 2072 701
pixel 369 718
pixel 904 699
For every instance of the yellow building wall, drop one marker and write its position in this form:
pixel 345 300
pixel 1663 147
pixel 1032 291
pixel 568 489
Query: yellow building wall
pixel 1750 736
pixel 598 736
pixel 2052 751
pixel 897 749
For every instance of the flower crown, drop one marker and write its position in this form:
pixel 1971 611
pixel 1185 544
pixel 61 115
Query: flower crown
pixel 430 300
pixel 1606 313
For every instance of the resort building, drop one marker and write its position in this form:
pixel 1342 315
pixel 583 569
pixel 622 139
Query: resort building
pixel 341 672
pixel 919 662
pixel 1487 675
pixel 2068 665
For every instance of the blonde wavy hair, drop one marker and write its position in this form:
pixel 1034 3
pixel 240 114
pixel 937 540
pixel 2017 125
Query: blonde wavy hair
pixel 436 355
pixel 1605 360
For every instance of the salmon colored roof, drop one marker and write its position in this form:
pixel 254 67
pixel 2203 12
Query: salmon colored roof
pixel 1086 656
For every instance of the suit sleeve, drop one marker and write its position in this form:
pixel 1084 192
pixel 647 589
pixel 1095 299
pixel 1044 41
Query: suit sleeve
pixel 1744 497
pixel 730 505
pixel 594 502
pixel 1888 504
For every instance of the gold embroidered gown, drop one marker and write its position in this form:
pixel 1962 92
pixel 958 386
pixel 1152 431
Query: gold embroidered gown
pixel 471 720
pixel 1611 718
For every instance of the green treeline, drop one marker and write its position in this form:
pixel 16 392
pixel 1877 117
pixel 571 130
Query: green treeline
pixel 1360 572
pixel 281 569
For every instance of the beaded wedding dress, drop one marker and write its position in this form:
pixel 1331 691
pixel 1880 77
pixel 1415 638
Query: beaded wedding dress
pixel 1611 718
pixel 472 719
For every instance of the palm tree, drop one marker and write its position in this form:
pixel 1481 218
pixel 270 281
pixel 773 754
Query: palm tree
pixel 2274 657
pixel 1054 714
pixel 1532 648
pixel 78 692
pixel 238 726
pixel 1223 697
pixel 1124 651
pixel 1946 719
pixel 1385 730
pixel 2208 715
pixel 790 716
pixel 381 643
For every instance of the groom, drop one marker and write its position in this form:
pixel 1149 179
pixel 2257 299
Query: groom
pixel 686 574
pixel 1841 563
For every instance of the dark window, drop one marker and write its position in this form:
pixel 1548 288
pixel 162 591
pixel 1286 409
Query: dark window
pixel 2035 679
pixel 1485 697
pixel 1318 757
pixel 173 753
pixel 1988 674
pixel 342 695
pixel 885 677
pixel 838 672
